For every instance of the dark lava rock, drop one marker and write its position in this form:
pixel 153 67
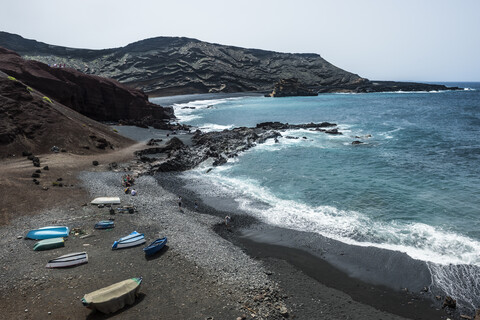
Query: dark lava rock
pixel 95 162
pixel 290 88
pixel 35 175
pixel 26 154
pixel 174 144
pixel 357 142
pixel 449 302
pixel 333 131
pixel 46 168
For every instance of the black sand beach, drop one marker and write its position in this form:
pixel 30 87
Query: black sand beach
pixel 208 271
pixel 390 282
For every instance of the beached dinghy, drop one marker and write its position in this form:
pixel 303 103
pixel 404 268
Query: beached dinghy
pixel 106 200
pixel 114 297
pixel 155 246
pixel 68 260
pixel 48 244
pixel 105 224
pixel 132 240
pixel 47 233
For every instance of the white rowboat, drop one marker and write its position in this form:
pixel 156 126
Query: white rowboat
pixel 68 260
pixel 106 200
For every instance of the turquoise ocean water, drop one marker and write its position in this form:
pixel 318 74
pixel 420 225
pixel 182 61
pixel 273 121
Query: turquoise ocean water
pixel 412 186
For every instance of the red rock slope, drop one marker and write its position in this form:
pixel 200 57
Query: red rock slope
pixel 98 98
pixel 31 121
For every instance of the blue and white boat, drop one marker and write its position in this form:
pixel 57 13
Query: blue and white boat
pixel 104 224
pixel 155 246
pixel 48 233
pixel 132 240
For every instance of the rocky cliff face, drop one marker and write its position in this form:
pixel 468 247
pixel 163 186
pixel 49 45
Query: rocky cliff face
pixel 165 66
pixel 170 65
pixel 96 97
pixel 31 121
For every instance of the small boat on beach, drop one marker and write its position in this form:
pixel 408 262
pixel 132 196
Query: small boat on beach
pixel 106 200
pixel 68 260
pixel 48 233
pixel 155 246
pixel 113 297
pixel 48 244
pixel 105 224
pixel 132 240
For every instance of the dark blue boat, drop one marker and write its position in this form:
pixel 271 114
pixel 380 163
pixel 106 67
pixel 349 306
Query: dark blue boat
pixel 155 246
pixel 105 224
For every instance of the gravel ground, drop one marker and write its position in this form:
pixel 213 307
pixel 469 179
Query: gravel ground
pixel 199 275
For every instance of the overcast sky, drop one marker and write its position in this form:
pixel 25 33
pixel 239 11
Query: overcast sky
pixel 422 40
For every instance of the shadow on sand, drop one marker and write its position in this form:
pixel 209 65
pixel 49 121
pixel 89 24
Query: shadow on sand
pixel 157 254
pixel 98 315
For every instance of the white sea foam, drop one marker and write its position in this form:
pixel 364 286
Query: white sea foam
pixel 460 281
pixel 418 240
pixel 209 127
pixel 189 111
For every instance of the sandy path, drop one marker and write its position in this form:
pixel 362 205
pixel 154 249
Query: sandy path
pixel 19 195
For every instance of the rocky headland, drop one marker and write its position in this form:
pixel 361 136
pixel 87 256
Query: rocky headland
pixel 164 66
pixel 96 97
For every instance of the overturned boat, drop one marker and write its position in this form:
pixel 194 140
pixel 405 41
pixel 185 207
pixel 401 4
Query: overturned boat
pixel 68 260
pixel 113 297
pixel 48 233
pixel 104 224
pixel 132 240
pixel 48 244
pixel 106 200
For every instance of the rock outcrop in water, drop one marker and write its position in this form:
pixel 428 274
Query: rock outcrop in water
pixel 290 88
pixel 217 147
pixel 96 97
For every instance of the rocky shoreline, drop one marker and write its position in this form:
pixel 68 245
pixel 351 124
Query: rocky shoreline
pixel 219 146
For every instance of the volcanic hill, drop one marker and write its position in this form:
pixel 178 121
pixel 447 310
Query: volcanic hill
pixel 164 66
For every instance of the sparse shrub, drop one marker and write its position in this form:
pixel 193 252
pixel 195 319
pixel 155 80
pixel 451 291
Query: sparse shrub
pixel 47 99
pixel 115 130
pixel 29 89
pixel 11 78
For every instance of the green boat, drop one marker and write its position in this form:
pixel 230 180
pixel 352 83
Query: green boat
pixel 48 244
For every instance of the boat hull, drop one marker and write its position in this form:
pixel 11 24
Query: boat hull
pixel 155 246
pixel 68 260
pixel 113 297
pixel 106 200
pixel 132 240
pixel 48 233
pixel 48 244
pixel 105 225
